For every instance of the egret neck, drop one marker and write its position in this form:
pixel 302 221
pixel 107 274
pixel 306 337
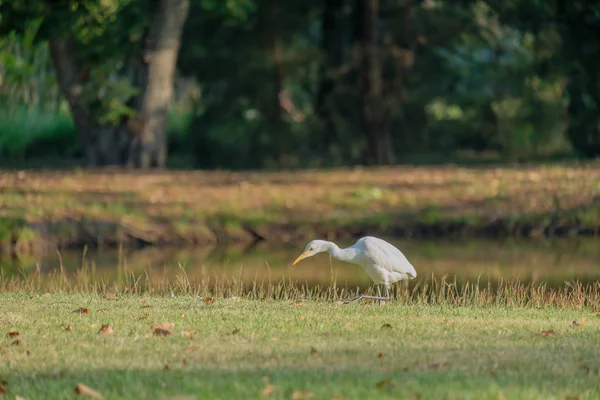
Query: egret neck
pixel 348 254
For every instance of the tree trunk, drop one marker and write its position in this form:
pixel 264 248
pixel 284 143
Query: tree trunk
pixel 277 112
pixel 103 144
pixel 155 79
pixel 139 141
pixel 376 128
pixel 332 48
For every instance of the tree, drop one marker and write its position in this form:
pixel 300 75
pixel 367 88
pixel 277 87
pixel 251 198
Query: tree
pixel 116 76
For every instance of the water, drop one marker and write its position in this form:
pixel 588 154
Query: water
pixel 554 262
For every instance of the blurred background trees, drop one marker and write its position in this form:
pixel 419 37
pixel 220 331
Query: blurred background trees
pixel 325 83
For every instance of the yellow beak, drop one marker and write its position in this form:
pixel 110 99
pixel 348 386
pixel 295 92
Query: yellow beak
pixel 300 257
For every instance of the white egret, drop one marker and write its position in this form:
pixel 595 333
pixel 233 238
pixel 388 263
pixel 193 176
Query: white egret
pixel 384 263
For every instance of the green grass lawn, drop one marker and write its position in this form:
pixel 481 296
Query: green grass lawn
pixel 284 349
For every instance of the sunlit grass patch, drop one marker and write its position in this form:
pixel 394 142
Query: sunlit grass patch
pixel 140 346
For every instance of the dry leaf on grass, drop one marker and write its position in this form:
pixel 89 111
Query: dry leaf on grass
pixel 380 355
pixel 437 365
pixel 235 331
pixel 386 326
pixel 68 327
pixel 145 306
pixel 166 366
pixel 447 322
pixel 106 330
pixel 12 333
pixel 3 388
pixel 384 383
pixel 581 323
pixel 313 350
pixel 191 349
pixel 299 394
pixel 268 390
pixel 161 332
pixel 84 390
pixel 81 310
pixel 209 300
pixel 19 342
pixel 548 333
pixel 164 325
pixel 189 332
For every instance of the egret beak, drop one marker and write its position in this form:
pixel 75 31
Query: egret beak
pixel 300 257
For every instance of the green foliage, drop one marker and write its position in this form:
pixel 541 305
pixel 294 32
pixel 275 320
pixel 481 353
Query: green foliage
pixel 515 79
pixel 33 134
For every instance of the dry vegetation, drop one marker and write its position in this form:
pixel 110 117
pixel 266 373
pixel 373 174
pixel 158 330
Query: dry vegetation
pixel 177 206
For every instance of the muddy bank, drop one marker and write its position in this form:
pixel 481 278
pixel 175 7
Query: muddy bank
pixel 20 237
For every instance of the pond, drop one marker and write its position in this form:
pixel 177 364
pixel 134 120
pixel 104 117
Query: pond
pixel 552 261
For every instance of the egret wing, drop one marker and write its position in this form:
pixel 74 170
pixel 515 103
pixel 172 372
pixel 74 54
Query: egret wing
pixel 382 253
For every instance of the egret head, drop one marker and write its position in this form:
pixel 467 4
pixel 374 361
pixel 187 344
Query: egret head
pixel 312 248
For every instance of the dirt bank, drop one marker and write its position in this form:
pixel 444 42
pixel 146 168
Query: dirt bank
pixel 49 209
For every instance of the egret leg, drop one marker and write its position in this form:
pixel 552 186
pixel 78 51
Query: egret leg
pixel 364 296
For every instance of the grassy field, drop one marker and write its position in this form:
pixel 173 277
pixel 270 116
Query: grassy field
pixel 182 206
pixel 293 349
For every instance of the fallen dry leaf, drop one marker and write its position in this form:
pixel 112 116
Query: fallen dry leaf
pixel 84 390
pixel 386 326
pixel 161 332
pixel 68 327
pixel 380 355
pixel 209 300
pixel 182 315
pixel 299 394
pixel 12 333
pixel 384 383
pixel 548 333
pixel 581 323
pixel 19 342
pixel 437 365
pixel 268 390
pixel 166 366
pixel 447 322
pixel 3 388
pixel 145 306
pixel 235 331
pixel 189 332
pixel 81 310
pixel 106 330
pixel 164 325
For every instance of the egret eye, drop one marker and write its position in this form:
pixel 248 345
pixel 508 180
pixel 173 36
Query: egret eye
pixel 310 249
